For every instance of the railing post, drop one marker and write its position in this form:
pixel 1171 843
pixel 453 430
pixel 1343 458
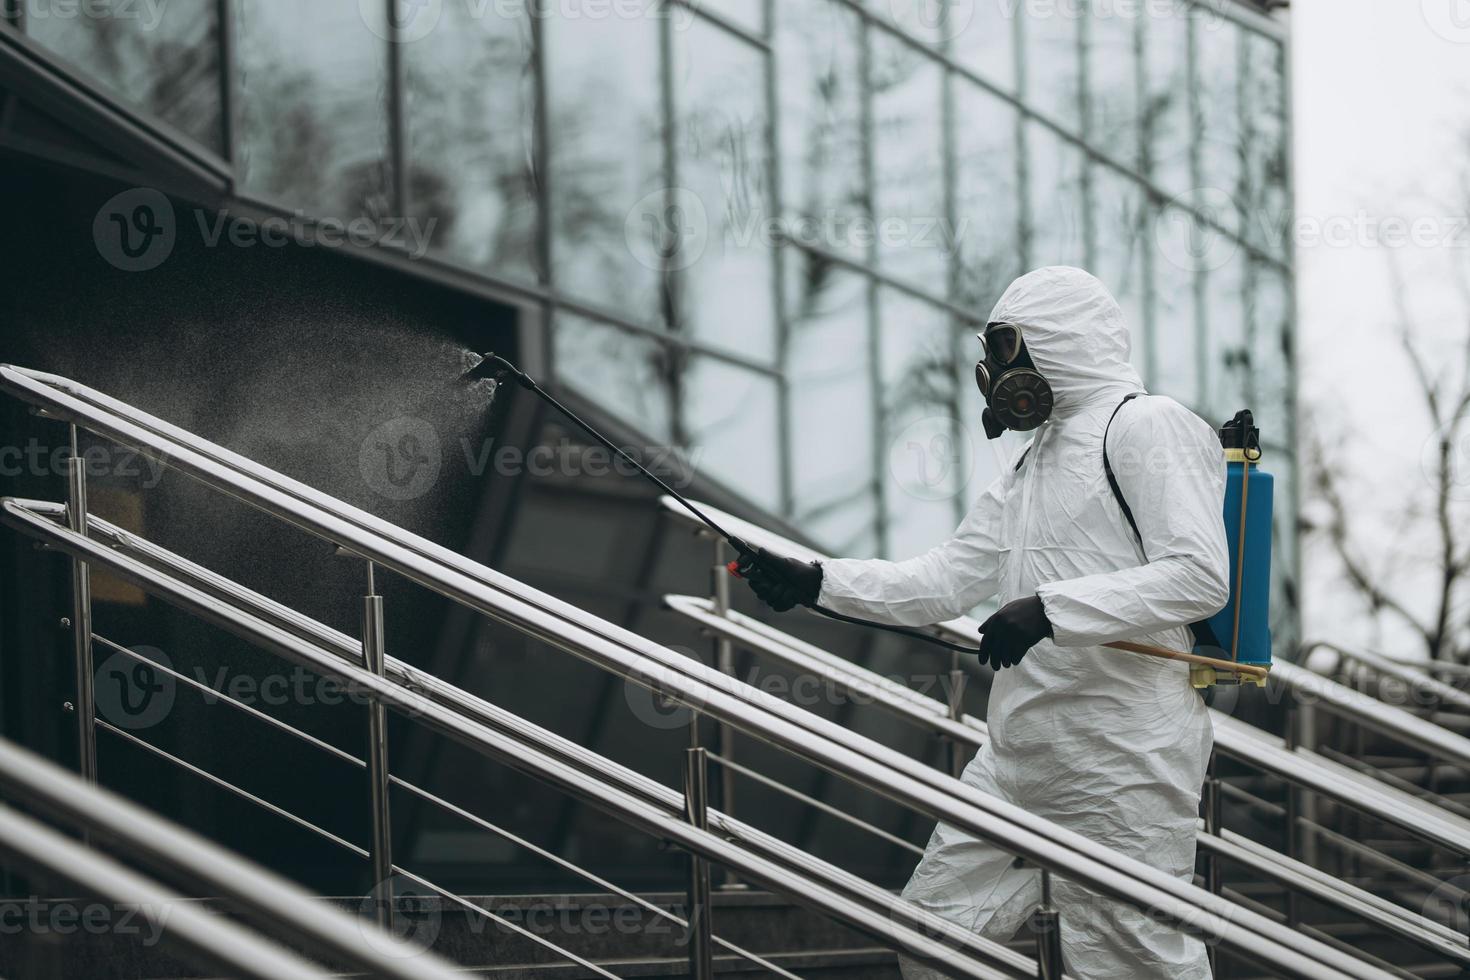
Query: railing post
pixel 81 616
pixel 696 810
pixel 1291 729
pixel 382 844
pixel 1214 818
pixel 725 663
pixel 956 710
pixel 1048 934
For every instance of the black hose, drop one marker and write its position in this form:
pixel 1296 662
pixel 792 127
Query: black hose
pixel 744 549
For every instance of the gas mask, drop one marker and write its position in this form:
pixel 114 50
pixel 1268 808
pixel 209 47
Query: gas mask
pixel 1017 397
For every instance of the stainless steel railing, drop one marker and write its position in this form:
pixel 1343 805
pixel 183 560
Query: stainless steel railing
pixel 860 760
pixel 476 709
pixel 211 870
pixel 960 954
pixel 932 715
pixel 1299 767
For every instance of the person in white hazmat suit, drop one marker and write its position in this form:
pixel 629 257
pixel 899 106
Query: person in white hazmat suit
pixel 1111 745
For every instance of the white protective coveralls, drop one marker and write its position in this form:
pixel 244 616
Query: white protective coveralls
pixel 1111 745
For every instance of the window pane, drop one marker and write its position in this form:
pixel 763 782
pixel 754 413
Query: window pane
pixel 1112 75
pixel 983 40
pixel 730 416
pixel 749 14
pixel 818 58
pixel 1120 217
pixel 1055 172
pixel 908 157
pixel 470 110
pixel 313 113
pixel 161 58
pixel 1166 116
pixel 1221 146
pixel 1269 325
pixel 1225 327
pixel 625 372
pixel 1050 33
pixel 1266 158
pixel 927 464
pixel 830 389
pixel 613 224
pixel 728 299
pixel 986 212
pixel 1175 350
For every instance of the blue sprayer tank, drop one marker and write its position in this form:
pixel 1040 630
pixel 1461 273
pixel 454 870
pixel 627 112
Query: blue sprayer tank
pixel 1243 627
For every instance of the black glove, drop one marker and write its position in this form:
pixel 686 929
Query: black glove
pixel 1014 629
pixel 781 582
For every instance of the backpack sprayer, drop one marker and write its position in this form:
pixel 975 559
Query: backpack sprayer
pixel 1246 621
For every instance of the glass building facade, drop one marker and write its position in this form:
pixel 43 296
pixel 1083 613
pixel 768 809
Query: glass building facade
pixel 767 231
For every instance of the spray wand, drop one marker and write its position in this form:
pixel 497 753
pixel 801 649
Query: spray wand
pixel 749 555
pixel 494 364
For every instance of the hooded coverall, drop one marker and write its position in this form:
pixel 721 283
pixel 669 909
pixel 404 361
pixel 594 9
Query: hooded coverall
pixel 1109 744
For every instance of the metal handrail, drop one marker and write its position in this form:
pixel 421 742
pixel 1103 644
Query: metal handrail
pixel 483 712
pixel 1413 675
pixel 765 639
pixel 413 789
pixel 861 760
pixel 928 939
pixel 1239 741
pixel 180 853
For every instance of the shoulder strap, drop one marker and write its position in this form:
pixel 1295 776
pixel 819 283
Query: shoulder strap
pixel 1204 634
pixel 1113 480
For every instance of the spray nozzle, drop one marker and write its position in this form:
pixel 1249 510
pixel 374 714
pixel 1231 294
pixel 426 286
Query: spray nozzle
pixel 492 365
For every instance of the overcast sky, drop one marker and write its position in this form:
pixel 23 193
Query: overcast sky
pixel 1382 108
